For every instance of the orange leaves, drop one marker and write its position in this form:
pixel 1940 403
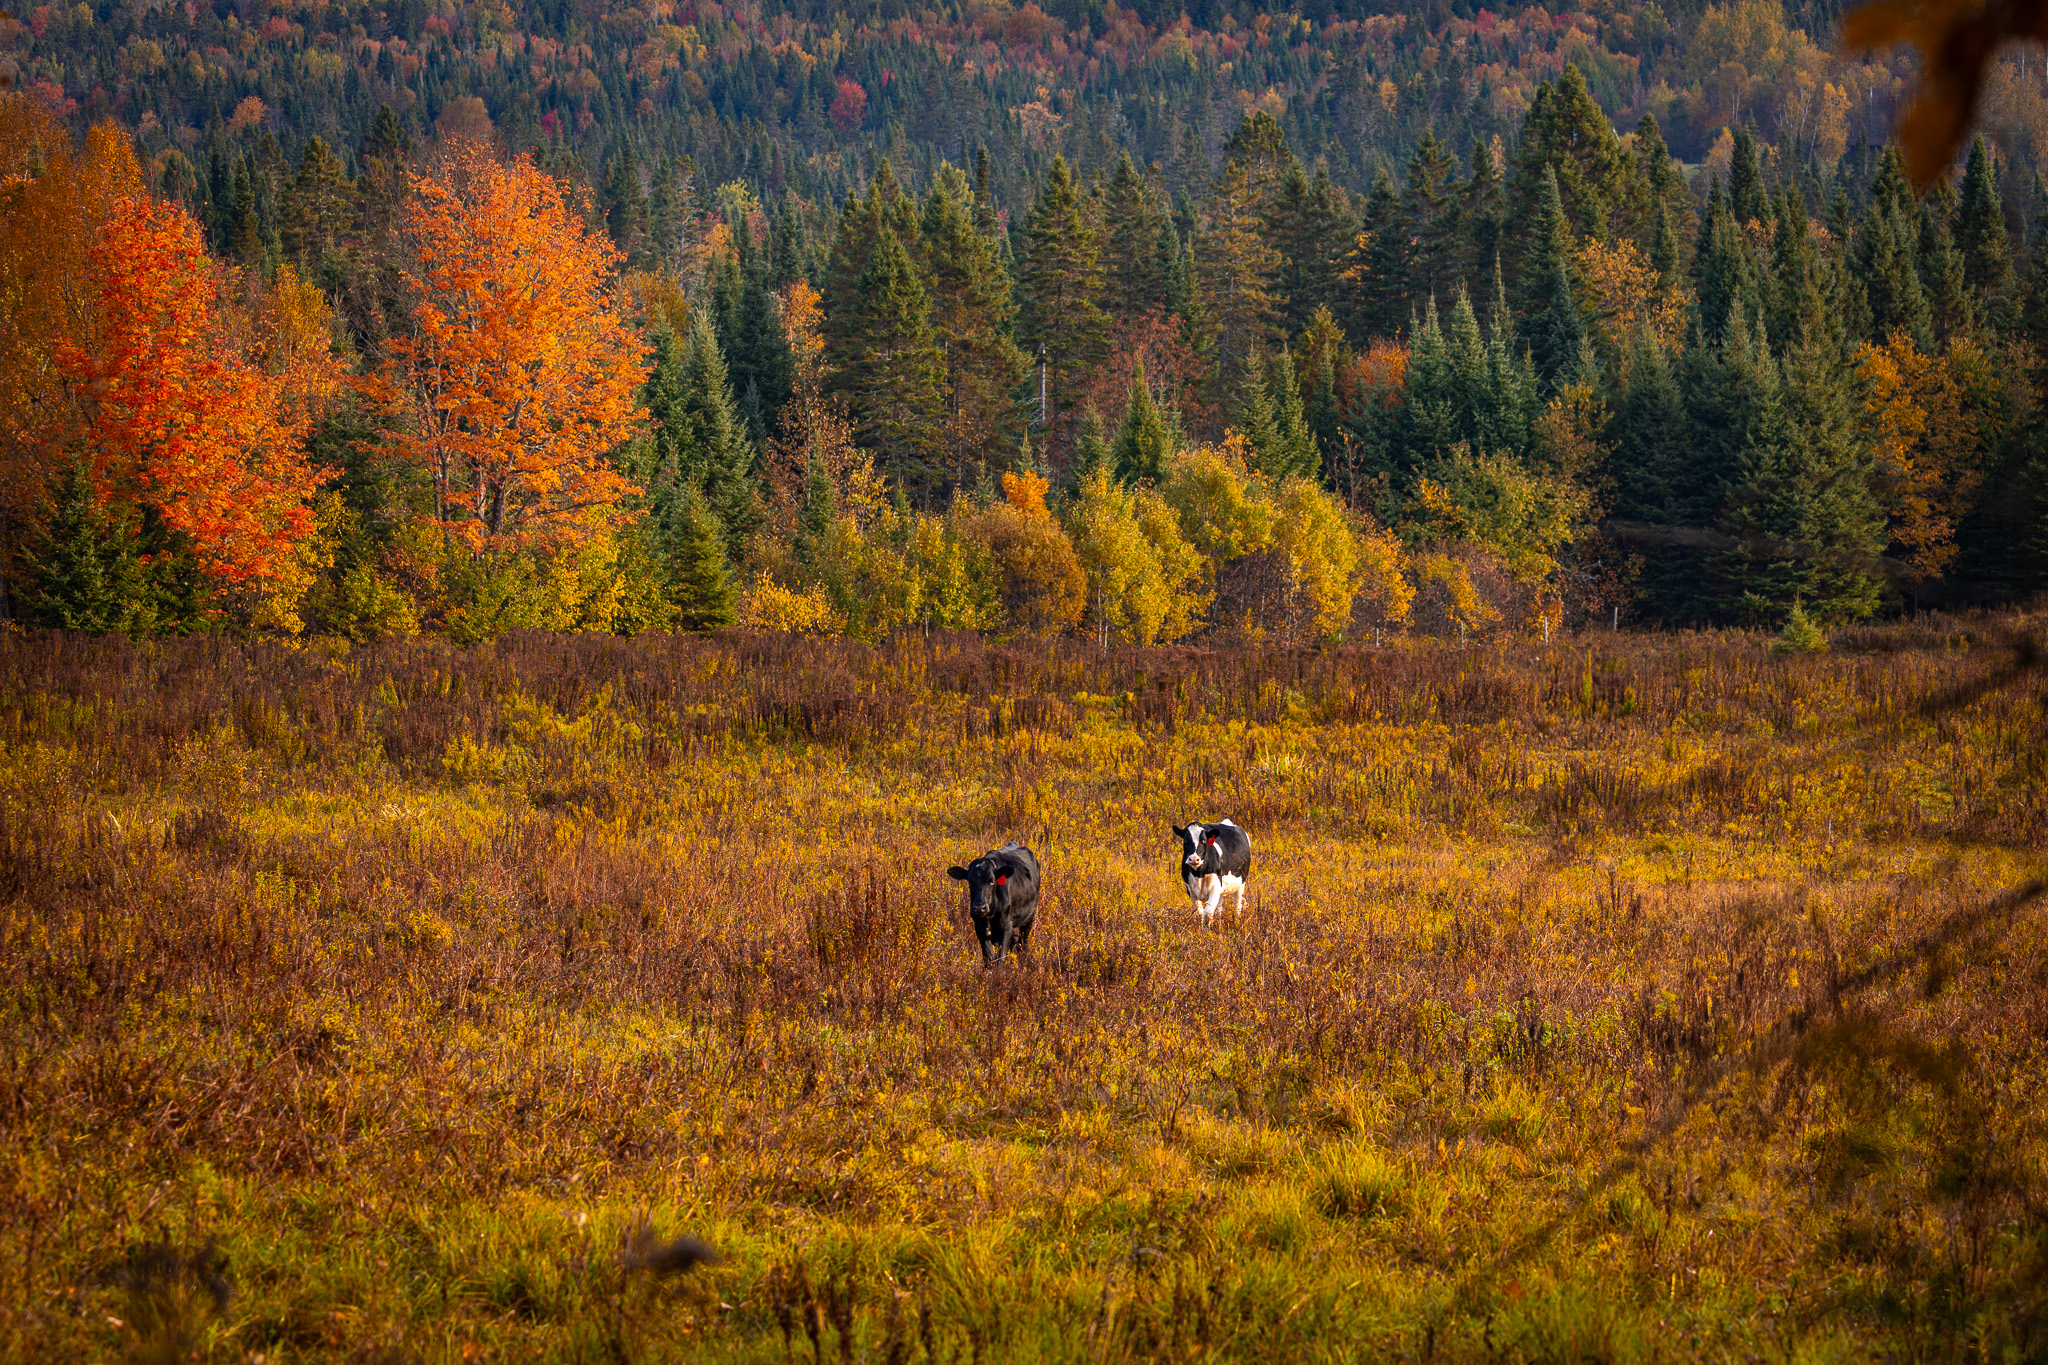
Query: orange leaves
pixel 121 346
pixel 197 433
pixel 1924 417
pixel 519 376
pixel 1957 40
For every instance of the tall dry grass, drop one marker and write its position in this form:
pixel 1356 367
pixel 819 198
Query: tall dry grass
pixel 1623 999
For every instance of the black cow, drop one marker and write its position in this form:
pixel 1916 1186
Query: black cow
pixel 1002 899
pixel 1214 859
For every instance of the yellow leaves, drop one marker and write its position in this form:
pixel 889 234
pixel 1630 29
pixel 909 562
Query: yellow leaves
pixel 1924 417
pixel 1623 292
pixel 771 606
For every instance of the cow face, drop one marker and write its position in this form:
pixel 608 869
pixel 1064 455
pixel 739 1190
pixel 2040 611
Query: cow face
pixel 988 885
pixel 1198 849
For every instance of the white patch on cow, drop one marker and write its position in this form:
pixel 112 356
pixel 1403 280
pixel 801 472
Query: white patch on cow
pixel 1230 822
pixel 1231 882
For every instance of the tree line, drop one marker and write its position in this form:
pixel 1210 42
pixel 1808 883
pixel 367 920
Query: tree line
pixel 1517 384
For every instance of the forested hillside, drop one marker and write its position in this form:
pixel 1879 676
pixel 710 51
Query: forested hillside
pixel 363 319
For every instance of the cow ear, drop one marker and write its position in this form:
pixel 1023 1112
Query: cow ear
pixel 958 874
pixel 1180 831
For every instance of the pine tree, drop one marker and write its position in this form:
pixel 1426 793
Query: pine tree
pixel 1144 446
pixel 82 574
pixel 972 314
pixel 1567 135
pixel 1747 197
pixel 1724 276
pixel 1885 268
pixel 1134 278
pixel 892 375
pixel 625 209
pixel 1669 199
pixel 667 210
pixel 1800 505
pixel 1942 280
pixel 1431 212
pixel 1479 212
pixel 1092 452
pixel 317 211
pixel 701 586
pixel 1657 485
pixel 700 441
pixel 1294 454
pixel 1550 308
pixel 1380 265
pixel 1309 230
pixel 1431 419
pixel 749 324
pixel 1980 235
pixel 1059 284
pixel 1237 265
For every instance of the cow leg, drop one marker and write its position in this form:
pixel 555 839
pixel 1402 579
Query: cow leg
pixel 1215 899
pixel 1240 899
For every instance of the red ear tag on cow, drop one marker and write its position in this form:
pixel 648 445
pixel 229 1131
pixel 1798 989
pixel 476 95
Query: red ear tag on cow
pixel 1212 838
pixel 1002 878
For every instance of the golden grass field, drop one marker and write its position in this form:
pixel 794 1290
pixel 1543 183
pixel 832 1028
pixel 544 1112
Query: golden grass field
pixel 1629 998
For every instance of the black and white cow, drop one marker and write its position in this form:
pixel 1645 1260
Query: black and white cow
pixel 1214 859
pixel 1002 899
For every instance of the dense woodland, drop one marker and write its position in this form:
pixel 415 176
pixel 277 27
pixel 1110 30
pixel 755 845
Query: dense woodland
pixel 355 320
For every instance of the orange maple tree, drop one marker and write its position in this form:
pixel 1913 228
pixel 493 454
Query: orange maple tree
pixel 1924 416
pixel 200 433
pixel 120 347
pixel 518 375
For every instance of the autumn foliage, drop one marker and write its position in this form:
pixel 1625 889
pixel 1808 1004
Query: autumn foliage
pixel 124 357
pixel 517 378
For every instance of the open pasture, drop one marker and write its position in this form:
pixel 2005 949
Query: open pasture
pixel 1624 999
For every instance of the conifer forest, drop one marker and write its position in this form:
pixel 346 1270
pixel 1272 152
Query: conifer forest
pixel 534 532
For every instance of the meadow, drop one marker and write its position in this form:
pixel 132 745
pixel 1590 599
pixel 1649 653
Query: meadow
pixel 1618 998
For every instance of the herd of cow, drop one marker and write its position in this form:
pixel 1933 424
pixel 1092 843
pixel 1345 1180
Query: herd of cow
pixel 1002 884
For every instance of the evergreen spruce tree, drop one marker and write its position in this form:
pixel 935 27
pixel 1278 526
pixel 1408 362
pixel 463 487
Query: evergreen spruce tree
pixel 972 313
pixel 1747 197
pixel 1664 248
pixel 1479 214
pixel 1942 280
pixel 1133 273
pixel 1294 453
pixel 1981 237
pixel 1550 309
pixel 1505 418
pixel 1800 506
pixel 1724 276
pixel 1059 286
pixel 700 441
pixel 1144 446
pixel 892 374
pixel 1889 276
pixel 1657 492
pixel 749 324
pixel 1430 208
pixel 1237 266
pixel 81 575
pixel 1309 231
pixel 1381 264
pixel 1092 452
pixel 625 209
pixel 701 586
pixel 1431 416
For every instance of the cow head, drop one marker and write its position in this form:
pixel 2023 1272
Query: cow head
pixel 988 885
pixel 1198 852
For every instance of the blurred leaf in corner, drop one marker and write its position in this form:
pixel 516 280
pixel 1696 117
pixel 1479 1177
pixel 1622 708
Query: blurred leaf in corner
pixel 1957 40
